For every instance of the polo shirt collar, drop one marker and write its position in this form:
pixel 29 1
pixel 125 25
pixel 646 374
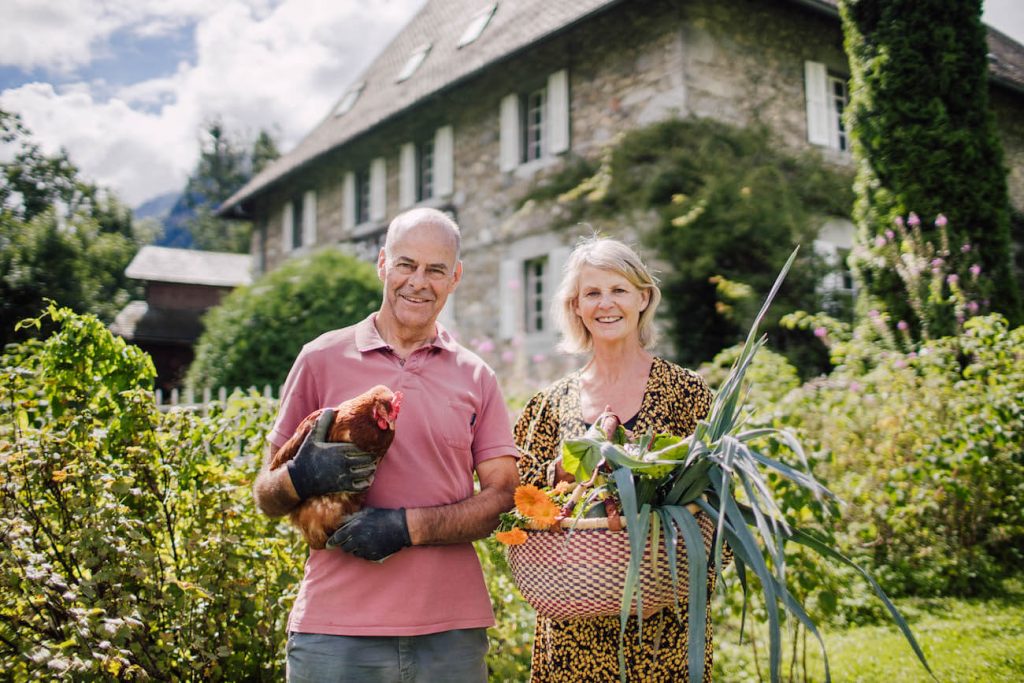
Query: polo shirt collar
pixel 369 339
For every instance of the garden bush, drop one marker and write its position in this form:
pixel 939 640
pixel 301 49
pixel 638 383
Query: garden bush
pixel 129 545
pixel 253 337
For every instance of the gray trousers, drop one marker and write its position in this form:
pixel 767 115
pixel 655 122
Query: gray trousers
pixel 449 656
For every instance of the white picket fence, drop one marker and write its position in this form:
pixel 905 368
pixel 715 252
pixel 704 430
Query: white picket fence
pixel 186 400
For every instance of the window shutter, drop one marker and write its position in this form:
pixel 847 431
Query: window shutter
pixel 309 218
pixel 378 189
pixel 407 175
pixel 286 228
pixel 558 112
pixel 447 315
pixel 816 90
pixel 348 198
pixel 509 297
pixel 556 262
pixel 444 162
pixel 510 138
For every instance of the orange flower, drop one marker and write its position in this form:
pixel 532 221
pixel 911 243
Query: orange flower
pixel 535 504
pixel 516 536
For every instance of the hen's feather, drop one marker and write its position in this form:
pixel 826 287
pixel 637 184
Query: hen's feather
pixel 368 422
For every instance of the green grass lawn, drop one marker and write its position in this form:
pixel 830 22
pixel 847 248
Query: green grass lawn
pixel 965 641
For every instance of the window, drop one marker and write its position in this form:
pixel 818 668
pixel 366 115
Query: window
pixel 477 24
pixel 362 197
pixel 298 222
pixel 534 294
pixel 827 97
pixel 840 99
pixel 534 138
pixel 349 99
pixel 426 168
pixel 425 171
pixel 528 277
pixel 837 286
pixel 413 63
pixel 535 124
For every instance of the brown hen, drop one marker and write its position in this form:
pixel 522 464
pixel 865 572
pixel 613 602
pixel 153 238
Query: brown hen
pixel 368 421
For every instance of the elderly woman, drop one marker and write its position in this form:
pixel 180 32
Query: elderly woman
pixel 605 307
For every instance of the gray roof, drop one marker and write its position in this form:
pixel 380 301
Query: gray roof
pixel 189 266
pixel 515 25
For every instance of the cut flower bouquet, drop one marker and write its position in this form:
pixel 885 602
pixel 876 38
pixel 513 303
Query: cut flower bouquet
pixel 652 548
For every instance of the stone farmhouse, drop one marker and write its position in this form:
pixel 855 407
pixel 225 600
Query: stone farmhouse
pixel 475 102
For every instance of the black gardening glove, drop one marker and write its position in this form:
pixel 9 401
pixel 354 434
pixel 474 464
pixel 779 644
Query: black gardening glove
pixel 373 534
pixel 326 467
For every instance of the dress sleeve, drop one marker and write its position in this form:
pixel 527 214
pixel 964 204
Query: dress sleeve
pixel 533 437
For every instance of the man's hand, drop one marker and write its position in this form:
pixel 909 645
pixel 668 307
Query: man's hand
pixel 325 467
pixel 373 534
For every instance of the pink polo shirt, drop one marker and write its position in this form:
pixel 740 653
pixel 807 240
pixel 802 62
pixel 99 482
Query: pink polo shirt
pixel 452 418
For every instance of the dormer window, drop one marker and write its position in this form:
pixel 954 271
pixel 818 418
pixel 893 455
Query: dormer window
pixel 349 100
pixel 477 24
pixel 413 63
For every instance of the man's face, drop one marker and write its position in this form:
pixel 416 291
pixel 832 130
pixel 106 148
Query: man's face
pixel 418 275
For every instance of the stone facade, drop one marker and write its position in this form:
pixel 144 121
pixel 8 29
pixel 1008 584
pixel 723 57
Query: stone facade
pixel 741 61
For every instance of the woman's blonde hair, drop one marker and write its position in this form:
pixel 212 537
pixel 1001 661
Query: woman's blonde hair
pixel 612 255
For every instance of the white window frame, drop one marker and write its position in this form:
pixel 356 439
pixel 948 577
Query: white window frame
pixel 824 109
pixel 534 125
pixel 513 282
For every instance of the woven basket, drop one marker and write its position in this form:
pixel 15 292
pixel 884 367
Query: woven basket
pixel 582 573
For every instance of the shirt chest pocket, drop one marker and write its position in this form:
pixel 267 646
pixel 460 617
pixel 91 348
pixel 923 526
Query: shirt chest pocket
pixel 459 424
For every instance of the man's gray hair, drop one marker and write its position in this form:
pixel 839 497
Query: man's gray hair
pixel 423 216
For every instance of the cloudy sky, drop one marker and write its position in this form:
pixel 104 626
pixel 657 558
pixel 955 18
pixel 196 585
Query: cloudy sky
pixel 127 85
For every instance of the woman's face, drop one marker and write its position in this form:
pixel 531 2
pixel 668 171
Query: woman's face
pixel 609 305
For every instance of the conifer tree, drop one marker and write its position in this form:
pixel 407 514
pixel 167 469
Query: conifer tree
pixel 924 138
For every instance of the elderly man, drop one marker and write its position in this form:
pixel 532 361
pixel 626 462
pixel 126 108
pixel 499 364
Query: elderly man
pixel 421 614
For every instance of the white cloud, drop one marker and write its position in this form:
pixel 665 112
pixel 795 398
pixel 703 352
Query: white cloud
pixel 258 65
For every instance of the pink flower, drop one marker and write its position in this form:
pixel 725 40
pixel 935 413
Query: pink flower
pixel 966 247
pixel 890 235
pixel 975 271
pixel 913 221
pixel 952 279
pixel 508 356
pixel 900 363
pixel 937 263
pixel 902 326
pixel 912 354
pixel 539 358
pixel 898 221
pixel 972 307
pixel 485 346
pixel 940 221
pixel 879 241
pixel 873 313
pixel 820 332
pixel 513 284
pixel 854 386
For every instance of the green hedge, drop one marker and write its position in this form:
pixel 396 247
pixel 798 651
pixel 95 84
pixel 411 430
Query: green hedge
pixel 252 338
pixel 129 545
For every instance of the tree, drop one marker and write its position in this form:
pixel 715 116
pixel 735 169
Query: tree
pixel 727 208
pixel 252 338
pixel 924 138
pixel 223 168
pixel 61 237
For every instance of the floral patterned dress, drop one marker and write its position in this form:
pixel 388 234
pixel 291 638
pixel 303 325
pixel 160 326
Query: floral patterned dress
pixel 586 649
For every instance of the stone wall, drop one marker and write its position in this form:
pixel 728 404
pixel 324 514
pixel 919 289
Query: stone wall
pixel 740 61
